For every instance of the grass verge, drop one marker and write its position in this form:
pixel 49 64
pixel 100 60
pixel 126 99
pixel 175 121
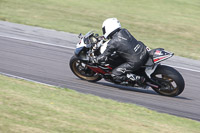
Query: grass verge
pixel 171 24
pixel 31 107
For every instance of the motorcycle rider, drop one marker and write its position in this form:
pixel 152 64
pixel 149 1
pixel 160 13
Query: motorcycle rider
pixel 126 46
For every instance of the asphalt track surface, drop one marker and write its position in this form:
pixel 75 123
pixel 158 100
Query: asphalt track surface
pixel 43 55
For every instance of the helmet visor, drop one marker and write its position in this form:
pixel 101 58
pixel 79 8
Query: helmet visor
pixel 104 30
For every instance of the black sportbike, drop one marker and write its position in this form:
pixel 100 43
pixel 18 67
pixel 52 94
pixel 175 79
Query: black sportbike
pixel 163 79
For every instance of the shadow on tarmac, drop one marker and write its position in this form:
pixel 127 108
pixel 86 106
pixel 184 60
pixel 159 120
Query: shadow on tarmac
pixel 141 90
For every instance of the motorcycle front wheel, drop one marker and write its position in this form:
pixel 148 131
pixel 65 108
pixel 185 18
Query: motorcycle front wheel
pixel 171 81
pixel 81 70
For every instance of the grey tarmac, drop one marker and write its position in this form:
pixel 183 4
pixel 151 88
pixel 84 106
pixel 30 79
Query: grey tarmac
pixel 43 55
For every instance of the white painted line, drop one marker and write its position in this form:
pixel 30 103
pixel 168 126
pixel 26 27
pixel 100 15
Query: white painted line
pixel 61 46
pixel 188 69
pixel 40 42
pixel 17 77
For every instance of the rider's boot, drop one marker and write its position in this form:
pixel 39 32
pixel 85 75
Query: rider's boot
pixel 123 80
pixel 138 79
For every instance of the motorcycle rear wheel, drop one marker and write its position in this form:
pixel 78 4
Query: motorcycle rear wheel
pixel 171 80
pixel 81 70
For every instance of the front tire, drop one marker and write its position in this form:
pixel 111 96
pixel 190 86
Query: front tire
pixel 81 70
pixel 171 80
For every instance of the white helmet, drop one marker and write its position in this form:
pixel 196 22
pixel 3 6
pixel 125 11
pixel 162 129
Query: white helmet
pixel 110 25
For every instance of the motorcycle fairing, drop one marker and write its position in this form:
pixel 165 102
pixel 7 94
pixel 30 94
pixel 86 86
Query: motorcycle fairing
pixel 160 55
pixel 78 50
pixel 96 69
pixel 103 47
pixel 81 53
pixel 156 56
pixel 161 58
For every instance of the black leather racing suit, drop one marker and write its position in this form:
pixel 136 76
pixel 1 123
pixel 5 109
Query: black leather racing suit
pixel 132 51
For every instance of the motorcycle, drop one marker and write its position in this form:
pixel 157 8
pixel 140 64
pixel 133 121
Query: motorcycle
pixel 163 79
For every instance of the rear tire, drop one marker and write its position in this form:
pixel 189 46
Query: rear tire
pixel 81 70
pixel 171 80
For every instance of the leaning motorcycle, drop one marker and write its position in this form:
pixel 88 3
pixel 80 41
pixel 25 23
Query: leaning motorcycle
pixel 163 79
